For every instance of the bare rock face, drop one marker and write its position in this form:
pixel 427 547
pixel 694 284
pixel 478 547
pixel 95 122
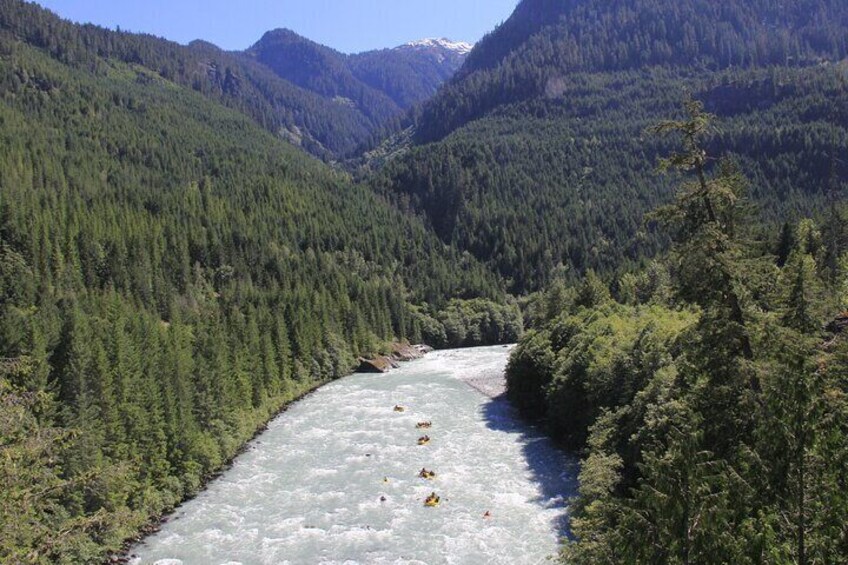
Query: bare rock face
pixel 405 352
pixel 401 352
pixel 376 365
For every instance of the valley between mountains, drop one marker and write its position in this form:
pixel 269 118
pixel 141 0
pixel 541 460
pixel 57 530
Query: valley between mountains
pixel 646 196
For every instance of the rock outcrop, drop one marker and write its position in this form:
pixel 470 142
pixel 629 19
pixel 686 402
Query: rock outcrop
pixel 376 365
pixel 400 352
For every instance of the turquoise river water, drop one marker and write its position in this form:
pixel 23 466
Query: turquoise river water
pixel 309 489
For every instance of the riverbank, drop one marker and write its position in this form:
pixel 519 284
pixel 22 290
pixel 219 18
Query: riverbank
pixel 155 523
pixel 400 353
pixel 488 379
pixel 358 498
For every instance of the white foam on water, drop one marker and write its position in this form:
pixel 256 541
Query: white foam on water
pixel 309 492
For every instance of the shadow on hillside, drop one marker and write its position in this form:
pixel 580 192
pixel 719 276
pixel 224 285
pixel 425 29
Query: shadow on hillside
pixel 554 470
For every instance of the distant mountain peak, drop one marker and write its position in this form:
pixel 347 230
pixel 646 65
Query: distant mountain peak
pixel 281 37
pixel 459 47
pixel 280 33
pixel 200 44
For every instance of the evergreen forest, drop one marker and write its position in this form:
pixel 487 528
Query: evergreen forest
pixel 535 157
pixel 171 275
pixel 646 195
pixel 706 393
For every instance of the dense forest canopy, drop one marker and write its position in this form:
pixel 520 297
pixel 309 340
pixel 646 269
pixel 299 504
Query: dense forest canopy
pixel 708 397
pixel 548 116
pixel 546 40
pixel 320 126
pixel 566 182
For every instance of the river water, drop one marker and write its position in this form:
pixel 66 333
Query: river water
pixel 308 491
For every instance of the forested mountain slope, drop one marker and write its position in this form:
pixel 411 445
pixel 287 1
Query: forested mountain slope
pixel 535 154
pixel 545 40
pixel 170 275
pixel 316 114
pixel 321 126
pixel 708 398
pixel 411 73
pixel 381 84
pixel 321 70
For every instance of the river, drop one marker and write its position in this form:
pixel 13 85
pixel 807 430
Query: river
pixel 309 489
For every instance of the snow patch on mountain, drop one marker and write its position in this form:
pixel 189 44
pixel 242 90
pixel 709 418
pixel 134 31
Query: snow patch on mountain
pixel 460 47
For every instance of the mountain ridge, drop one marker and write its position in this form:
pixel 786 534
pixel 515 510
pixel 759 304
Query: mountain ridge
pixel 544 40
pixel 382 83
pixel 326 126
pixel 461 47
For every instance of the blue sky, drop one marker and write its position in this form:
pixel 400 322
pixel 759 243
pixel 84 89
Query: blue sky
pixel 347 25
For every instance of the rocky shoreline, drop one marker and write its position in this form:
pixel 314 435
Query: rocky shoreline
pixel 488 380
pixel 401 352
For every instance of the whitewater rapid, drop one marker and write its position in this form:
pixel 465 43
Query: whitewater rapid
pixel 308 491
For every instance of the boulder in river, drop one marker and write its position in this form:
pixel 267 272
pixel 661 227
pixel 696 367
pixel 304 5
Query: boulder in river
pixel 405 352
pixel 376 365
